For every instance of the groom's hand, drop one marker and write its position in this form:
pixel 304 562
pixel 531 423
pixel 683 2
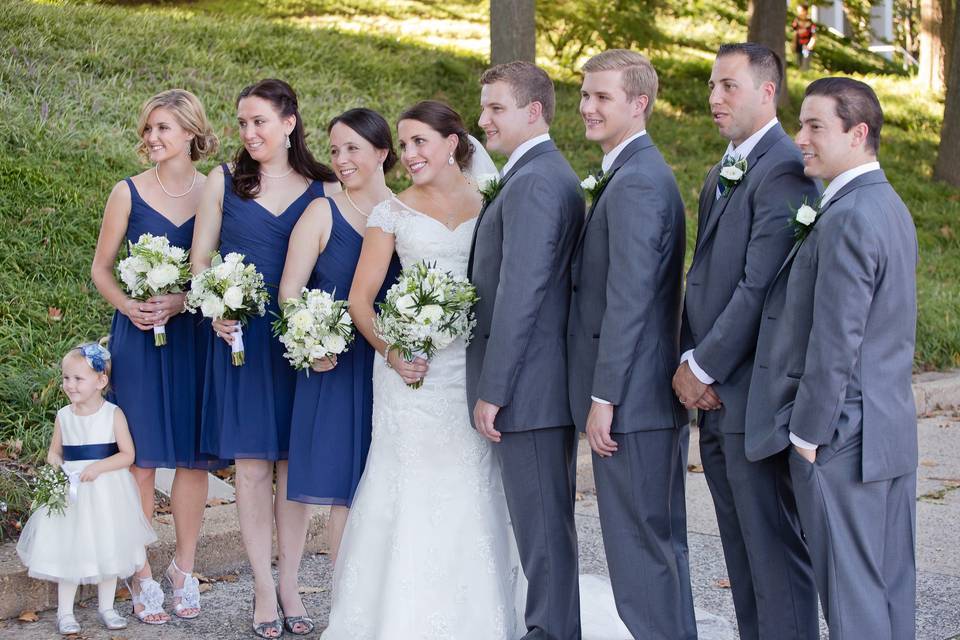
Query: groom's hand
pixel 484 416
pixel 598 429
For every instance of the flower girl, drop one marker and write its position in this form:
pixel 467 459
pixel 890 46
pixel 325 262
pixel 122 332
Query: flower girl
pixel 101 534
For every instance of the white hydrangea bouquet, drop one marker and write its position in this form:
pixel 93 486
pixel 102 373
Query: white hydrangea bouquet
pixel 229 290
pixel 311 326
pixel 153 267
pixel 425 311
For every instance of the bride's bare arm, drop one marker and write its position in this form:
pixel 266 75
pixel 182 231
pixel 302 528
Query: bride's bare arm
pixel 375 257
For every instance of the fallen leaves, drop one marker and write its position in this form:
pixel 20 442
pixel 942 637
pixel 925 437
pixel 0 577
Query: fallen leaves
pixel 55 313
pixel 722 583
pixel 28 616
pixel 695 468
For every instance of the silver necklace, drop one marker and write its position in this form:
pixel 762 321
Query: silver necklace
pixel 353 204
pixel 284 175
pixel 156 172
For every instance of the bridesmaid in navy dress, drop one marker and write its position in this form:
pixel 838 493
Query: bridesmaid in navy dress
pixel 251 208
pixel 332 408
pixel 158 388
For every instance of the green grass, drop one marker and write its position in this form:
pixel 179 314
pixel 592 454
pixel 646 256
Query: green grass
pixel 73 75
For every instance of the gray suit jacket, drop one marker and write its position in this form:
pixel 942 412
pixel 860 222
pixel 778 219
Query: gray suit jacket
pixel 520 264
pixel 624 327
pixel 836 344
pixel 742 239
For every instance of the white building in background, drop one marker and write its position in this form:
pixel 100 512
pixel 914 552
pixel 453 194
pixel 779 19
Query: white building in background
pixel 881 23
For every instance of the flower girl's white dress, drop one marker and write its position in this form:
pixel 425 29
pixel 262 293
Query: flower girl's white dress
pixel 103 533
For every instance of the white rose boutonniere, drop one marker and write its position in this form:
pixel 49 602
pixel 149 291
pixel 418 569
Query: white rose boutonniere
pixel 804 217
pixel 593 185
pixel 731 173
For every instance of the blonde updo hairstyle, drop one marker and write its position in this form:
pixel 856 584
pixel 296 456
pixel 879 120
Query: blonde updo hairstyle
pixel 188 111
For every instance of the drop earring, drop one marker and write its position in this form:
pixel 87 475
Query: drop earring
pixel 286 141
pixel 450 159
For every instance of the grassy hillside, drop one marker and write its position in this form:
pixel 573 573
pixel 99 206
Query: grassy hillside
pixel 73 75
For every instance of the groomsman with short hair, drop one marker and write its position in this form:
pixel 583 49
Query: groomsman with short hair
pixel 833 373
pixel 743 237
pixel 623 348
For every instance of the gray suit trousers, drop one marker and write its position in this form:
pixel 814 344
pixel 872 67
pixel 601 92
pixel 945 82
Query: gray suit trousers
pixel 678 515
pixel 636 495
pixel 539 471
pixel 861 537
pixel 774 593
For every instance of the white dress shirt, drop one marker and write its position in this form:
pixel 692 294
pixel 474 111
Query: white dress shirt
pixel 522 149
pixel 737 152
pixel 605 164
pixel 832 189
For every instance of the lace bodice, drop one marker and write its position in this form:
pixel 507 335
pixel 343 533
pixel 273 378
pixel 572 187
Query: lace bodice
pixel 420 237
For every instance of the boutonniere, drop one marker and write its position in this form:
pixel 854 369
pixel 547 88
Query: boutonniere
pixel 593 185
pixel 731 173
pixel 804 217
pixel 489 185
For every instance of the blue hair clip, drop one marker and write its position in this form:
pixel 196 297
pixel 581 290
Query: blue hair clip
pixel 96 356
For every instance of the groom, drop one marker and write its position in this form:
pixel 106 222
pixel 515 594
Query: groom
pixel 516 363
pixel 833 371
pixel 623 346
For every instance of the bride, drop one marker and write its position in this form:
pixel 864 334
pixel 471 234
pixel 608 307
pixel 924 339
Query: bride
pixel 428 551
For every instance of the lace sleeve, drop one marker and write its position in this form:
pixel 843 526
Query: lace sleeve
pixel 384 216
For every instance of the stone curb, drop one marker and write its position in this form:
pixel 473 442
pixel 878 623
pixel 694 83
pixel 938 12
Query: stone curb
pixel 220 551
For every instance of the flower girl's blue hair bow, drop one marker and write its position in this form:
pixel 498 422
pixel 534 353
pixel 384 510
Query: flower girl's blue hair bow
pixel 97 356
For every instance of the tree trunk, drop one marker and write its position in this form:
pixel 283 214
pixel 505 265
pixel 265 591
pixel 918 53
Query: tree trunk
pixel 768 21
pixel 931 45
pixel 947 168
pixel 513 33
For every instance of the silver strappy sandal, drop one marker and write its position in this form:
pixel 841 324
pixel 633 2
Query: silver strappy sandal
pixel 189 593
pixel 151 597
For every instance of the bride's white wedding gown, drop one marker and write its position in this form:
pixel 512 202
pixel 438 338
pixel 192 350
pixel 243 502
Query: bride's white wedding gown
pixel 427 551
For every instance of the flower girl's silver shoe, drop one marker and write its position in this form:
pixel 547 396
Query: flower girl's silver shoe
pixel 112 620
pixel 67 625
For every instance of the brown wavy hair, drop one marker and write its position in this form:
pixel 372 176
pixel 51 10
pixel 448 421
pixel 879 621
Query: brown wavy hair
pixel 246 170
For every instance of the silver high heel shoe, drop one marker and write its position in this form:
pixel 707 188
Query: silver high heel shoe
pixel 189 593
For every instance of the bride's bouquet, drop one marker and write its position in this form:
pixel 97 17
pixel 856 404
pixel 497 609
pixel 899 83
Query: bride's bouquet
pixel 425 311
pixel 312 326
pixel 51 489
pixel 229 290
pixel 153 267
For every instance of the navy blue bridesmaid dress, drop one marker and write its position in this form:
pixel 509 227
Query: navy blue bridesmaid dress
pixel 158 388
pixel 332 411
pixel 246 409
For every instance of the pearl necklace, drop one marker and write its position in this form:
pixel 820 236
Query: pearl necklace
pixel 156 172
pixel 284 175
pixel 346 192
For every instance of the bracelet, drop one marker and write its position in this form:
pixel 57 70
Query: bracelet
pixel 386 358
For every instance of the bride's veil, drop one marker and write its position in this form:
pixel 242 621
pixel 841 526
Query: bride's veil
pixel 481 164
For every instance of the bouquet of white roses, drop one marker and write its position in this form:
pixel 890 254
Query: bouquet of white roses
pixel 312 326
pixel 153 267
pixel 425 311
pixel 51 489
pixel 229 290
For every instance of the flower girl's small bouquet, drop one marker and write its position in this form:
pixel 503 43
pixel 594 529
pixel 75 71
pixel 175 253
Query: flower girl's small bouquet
pixel 313 326
pixel 425 311
pixel 153 267
pixel 51 490
pixel 229 290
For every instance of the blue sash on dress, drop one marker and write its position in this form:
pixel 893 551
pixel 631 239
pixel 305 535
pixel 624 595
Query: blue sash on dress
pixel 73 452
